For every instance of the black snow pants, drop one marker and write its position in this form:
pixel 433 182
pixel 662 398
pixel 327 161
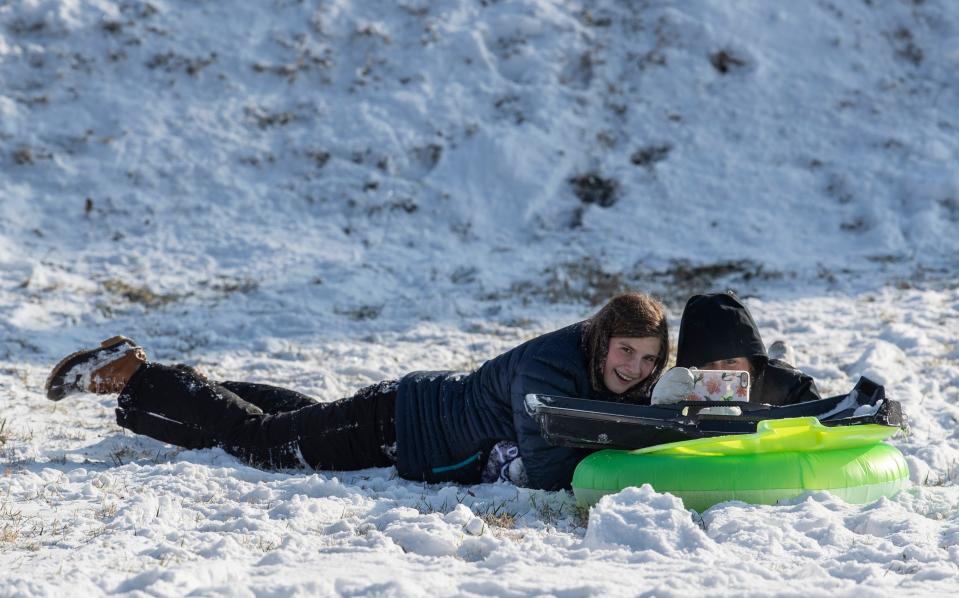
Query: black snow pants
pixel 266 426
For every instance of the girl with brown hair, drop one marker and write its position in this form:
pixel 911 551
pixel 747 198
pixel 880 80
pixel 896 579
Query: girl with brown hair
pixel 433 426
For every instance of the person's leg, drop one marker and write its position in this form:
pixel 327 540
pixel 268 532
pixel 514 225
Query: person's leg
pixel 176 405
pixel 352 433
pixel 345 435
pixel 271 399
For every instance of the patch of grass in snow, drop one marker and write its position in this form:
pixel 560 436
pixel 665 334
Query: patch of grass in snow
pixel 266 119
pixel 171 62
pixel 649 155
pixel 580 515
pixel 150 299
pixel 727 61
pixel 361 312
pixel 229 286
pixel 685 278
pixel 587 281
pixel 581 281
pixel 905 47
pixel 141 295
pixel 62 433
pixel 546 511
pixel 25 156
pixel 107 510
pixel 22 26
pixel 592 188
pixel 18 531
pixel 11 523
pixel 936 478
pixel 260 543
pixel 500 520
pixel 128 454
pixel 12 458
pixel 303 61
pixel 498 515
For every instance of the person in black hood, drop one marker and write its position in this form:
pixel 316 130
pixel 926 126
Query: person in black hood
pixel 717 332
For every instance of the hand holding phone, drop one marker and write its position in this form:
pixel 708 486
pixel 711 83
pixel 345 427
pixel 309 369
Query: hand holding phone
pixel 690 384
pixel 674 386
pixel 720 385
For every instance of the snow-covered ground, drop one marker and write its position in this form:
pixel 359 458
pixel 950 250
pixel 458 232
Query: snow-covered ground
pixel 323 194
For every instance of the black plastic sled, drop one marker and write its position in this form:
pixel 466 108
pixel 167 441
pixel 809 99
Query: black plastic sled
pixel 567 421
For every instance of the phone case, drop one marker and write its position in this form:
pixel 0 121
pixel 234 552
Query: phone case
pixel 721 385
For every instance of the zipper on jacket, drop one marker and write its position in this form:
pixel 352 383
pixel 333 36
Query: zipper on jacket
pixel 459 465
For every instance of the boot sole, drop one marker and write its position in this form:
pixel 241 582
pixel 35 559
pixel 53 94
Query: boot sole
pixel 56 387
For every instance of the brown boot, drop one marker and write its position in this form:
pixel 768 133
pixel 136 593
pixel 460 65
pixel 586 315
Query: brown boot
pixel 103 370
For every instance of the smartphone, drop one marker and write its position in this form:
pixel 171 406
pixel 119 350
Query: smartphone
pixel 721 385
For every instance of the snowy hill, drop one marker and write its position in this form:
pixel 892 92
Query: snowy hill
pixel 322 194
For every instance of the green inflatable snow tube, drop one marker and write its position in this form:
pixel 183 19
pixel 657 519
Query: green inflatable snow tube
pixel 783 459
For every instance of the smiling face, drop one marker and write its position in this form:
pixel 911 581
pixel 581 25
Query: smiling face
pixel 630 360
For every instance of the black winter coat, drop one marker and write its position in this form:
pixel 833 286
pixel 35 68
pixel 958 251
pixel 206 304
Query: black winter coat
pixel 447 422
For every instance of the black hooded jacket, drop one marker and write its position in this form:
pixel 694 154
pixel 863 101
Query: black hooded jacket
pixel 718 326
pixel 447 422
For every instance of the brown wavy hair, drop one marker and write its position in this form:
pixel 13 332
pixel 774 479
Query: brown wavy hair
pixel 630 314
